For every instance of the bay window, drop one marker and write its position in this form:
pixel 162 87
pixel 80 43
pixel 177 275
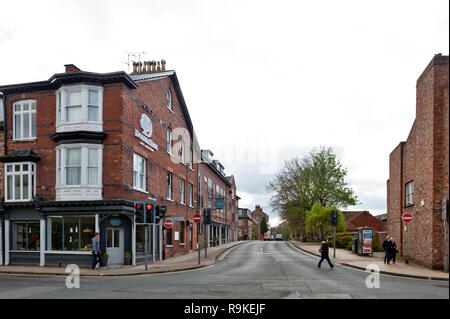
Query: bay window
pixel 24 123
pixel 79 107
pixel 20 181
pixel 78 171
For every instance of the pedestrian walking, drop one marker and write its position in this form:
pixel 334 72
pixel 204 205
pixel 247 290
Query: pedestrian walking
pixel 96 251
pixel 387 249
pixel 394 250
pixel 324 249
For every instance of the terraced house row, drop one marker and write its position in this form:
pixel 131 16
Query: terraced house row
pixel 80 149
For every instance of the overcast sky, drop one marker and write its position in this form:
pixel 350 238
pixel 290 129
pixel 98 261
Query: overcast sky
pixel 264 81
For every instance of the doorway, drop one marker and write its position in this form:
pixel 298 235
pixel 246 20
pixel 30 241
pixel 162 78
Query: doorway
pixel 115 245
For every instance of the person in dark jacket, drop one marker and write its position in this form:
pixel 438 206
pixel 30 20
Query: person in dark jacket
pixel 387 249
pixel 96 251
pixel 324 252
pixel 393 250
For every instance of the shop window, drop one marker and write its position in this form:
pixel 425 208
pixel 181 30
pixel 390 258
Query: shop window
pixel 70 233
pixel 20 182
pixel 26 235
pixel 24 123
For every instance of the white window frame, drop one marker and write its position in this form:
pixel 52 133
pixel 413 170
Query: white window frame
pixel 191 157
pixel 169 100
pixel 62 125
pixel 169 141
pixel 182 191
pixel 191 194
pixel 21 114
pixel 409 189
pixel 136 159
pixel 83 191
pixel 182 152
pixel 169 185
pixel 30 174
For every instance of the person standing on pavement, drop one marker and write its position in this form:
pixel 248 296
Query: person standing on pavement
pixel 387 249
pixel 96 251
pixel 324 249
pixel 393 250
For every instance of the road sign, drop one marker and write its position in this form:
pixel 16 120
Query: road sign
pixel 406 217
pixel 197 218
pixel 168 223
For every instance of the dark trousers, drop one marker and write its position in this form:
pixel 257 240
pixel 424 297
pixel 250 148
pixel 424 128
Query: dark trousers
pixel 96 259
pixel 393 255
pixel 387 256
pixel 328 259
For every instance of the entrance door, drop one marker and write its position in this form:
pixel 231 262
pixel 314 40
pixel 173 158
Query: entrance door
pixel 114 245
pixel 191 237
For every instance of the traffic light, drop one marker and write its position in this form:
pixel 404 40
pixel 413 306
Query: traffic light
pixel 139 212
pixel 150 209
pixel 161 211
pixel 333 218
pixel 207 217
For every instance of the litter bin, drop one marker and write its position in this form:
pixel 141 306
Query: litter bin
pixel 355 245
pixel 365 241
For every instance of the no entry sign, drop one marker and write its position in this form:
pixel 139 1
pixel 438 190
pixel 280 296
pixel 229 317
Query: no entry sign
pixel 197 218
pixel 168 223
pixel 406 217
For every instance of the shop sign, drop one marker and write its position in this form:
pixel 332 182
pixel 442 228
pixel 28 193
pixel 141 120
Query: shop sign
pixel 115 222
pixel 146 133
pixel 220 203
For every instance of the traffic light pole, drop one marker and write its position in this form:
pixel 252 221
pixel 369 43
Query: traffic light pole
pixel 146 247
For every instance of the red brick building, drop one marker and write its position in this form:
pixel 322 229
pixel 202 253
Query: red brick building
pixel 80 149
pixel 258 215
pixel 419 170
pixel 355 219
pixel 216 190
pixel 246 225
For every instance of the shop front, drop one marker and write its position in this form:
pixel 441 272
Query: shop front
pixel 60 233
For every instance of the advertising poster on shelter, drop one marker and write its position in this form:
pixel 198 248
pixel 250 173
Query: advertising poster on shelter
pixel 367 241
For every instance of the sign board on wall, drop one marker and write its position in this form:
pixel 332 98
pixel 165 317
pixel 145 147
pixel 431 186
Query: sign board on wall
pixel 146 133
pixel 176 236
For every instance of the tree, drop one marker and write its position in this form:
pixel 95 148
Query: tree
pixel 263 226
pixel 318 220
pixel 319 177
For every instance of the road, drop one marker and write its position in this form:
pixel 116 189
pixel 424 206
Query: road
pixel 255 270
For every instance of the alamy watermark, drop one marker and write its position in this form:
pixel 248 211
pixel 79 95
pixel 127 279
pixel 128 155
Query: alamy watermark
pixel 373 280
pixel 73 280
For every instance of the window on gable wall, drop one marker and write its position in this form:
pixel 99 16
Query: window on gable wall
pixel 169 100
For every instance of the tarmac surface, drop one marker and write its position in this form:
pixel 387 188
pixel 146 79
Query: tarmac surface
pixel 243 270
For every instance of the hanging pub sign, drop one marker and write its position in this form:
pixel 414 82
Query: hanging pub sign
pixel 146 133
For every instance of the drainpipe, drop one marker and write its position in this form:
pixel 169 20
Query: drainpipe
pixel 2 247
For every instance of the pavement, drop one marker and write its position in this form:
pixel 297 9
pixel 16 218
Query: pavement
pixel 349 259
pixel 184 262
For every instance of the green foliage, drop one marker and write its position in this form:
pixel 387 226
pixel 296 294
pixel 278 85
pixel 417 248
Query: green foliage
pixel 318 220
pixel 263 226
pixel 376 246
pixel 342 240
pixel 316 178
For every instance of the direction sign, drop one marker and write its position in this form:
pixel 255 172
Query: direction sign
pixel 406 217
pixel 168 223
pixel 197 218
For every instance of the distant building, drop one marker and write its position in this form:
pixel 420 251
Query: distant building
pixel 245 224
pixel 258 215
pixel 355 219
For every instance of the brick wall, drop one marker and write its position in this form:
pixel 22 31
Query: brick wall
pixel 423 159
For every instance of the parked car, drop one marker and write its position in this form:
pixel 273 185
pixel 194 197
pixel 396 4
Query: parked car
pixel 278 237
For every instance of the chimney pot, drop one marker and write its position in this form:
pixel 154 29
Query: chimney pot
pixel 135 67
pixel 158 68
pixel 163 65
